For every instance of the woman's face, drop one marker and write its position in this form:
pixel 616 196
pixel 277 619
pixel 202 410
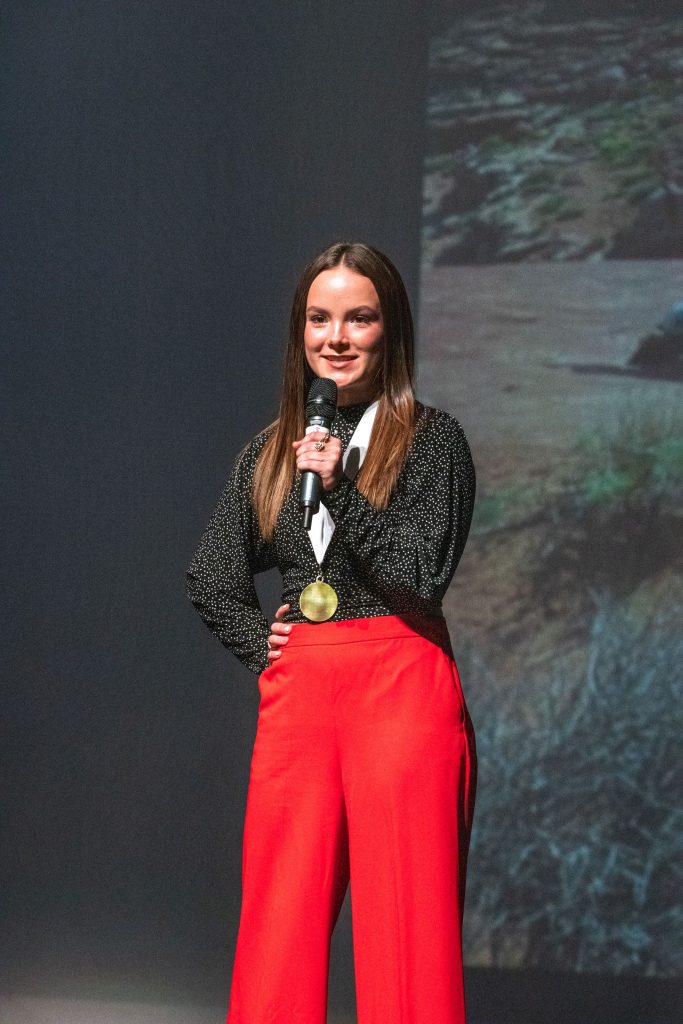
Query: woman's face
pixel 343 336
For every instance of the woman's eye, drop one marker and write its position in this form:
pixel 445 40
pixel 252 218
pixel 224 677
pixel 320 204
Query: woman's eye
pixel 361 319
pixel 317 318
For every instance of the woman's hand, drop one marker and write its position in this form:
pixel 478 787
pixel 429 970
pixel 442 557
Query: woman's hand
pixel 279 634
pixel 327 461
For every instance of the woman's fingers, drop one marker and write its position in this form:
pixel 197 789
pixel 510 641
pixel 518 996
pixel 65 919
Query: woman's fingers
pixel 273 650
pixel 275 641
pixel 312 436
pixel 325 461
pixel 278 627
pixel 309 442
pixel 279 633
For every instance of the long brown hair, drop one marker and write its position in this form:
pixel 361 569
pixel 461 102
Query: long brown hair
pixel 395 420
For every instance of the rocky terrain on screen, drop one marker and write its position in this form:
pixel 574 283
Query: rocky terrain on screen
pixel 566 609
pixel 555 136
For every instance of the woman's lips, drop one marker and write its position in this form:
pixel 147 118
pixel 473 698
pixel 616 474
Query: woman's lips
pixel 339 360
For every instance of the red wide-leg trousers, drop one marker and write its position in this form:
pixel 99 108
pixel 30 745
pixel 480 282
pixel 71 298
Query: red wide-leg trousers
pixel 363 771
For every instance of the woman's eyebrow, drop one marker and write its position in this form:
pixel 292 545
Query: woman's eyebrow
pixel 355 309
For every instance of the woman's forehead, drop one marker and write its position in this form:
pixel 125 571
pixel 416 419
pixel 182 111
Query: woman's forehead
pixel 342 284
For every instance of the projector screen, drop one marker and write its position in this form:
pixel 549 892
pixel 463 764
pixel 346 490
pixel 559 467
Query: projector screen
pixel 552 327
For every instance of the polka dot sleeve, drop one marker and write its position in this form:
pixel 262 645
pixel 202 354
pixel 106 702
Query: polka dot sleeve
pixel 220 579
pixel 410 551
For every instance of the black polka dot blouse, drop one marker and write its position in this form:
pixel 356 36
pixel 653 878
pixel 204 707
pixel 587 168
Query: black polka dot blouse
pixel 379 562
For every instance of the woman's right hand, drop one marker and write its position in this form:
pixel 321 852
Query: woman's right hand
pixel 279 634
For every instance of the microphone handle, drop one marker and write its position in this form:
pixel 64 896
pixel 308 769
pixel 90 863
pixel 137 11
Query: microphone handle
pixel 311 482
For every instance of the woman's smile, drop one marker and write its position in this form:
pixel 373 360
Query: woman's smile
pixel 339 360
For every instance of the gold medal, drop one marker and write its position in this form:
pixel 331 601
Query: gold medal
pixel 318 601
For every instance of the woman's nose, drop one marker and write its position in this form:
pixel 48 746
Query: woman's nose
pixel 337 334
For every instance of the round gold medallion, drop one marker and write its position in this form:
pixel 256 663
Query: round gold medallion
pixel 318 601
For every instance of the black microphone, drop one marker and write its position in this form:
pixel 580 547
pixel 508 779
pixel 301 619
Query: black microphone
pixel 321 408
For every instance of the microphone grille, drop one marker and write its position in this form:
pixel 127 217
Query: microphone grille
pixel 322 398
pixel 323 388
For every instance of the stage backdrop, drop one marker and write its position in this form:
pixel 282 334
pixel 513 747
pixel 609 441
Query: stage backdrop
pixel 168 168
pixel 552 326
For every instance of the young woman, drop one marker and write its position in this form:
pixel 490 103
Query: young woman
pixel 363 767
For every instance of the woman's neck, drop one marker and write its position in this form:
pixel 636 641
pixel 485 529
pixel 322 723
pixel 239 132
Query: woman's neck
pixel 364 397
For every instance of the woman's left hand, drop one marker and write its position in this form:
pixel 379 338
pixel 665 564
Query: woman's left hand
pixel 327 462
pixel 279 634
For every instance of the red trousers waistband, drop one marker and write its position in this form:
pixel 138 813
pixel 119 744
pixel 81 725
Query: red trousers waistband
pixel 380 627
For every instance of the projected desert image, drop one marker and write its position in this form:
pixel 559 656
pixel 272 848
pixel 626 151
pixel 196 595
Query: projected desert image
pixel 551 325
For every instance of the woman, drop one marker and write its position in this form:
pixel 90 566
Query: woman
pixel 363 768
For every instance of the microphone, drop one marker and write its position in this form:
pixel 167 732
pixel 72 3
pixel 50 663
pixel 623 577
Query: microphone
pixel 321 408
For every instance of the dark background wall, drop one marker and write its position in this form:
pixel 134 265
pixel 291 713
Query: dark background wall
pixel 167 170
